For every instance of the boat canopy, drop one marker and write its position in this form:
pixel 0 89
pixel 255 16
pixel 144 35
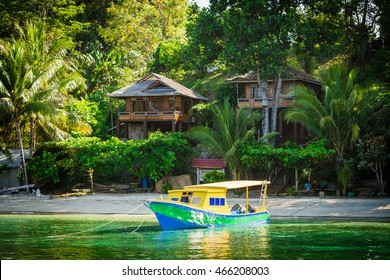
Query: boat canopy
pixel 229 185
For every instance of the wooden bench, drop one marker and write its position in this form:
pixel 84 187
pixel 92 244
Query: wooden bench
pixel 335 192
pixel 304 192
pixel 15 190
pixel 112 189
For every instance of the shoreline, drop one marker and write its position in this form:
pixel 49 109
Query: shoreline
pixel 132 204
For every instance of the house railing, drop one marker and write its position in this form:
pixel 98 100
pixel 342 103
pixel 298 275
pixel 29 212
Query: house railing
pixel 258 102
pixel 150 115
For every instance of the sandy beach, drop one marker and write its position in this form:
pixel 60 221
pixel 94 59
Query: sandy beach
pixel 132 204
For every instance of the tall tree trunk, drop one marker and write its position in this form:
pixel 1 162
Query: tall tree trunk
pixel 263 85
pixel 32 136
pixel 20 141
pixel 111 119
pixel 278 90
pixel 379 177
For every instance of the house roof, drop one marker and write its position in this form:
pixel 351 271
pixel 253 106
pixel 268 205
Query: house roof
pixel 208 163
pixel 291 73
pixel 156 85
pixel 15 160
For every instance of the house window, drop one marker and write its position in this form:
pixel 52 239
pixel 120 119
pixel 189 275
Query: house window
pixel 172 103
pixel 157 103
pixel 186 105
pixel 256 92
pixel 241 91
pixel 139 105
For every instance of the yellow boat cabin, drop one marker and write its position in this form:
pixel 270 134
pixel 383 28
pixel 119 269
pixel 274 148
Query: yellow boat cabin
pixel 212 197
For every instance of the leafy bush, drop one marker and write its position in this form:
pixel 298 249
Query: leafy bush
pixel 290 191
pixel 291 156
pixel 214 176
pixel 3 166
pixel 155 157
pixel 43 169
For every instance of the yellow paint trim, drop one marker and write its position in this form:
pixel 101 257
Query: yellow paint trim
pixel 247 200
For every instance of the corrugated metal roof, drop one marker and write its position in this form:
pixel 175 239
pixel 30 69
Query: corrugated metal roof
pixel 155 85
pixel 296 74
pixel 15 160
pixel 291 73
pixel 208 162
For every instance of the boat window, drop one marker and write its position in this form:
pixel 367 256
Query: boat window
pixel 215 201
pixel 186 197
pixel 175 199
pixel 196 200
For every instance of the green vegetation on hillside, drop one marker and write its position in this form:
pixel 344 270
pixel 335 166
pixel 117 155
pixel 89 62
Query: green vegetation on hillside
pixel 60 59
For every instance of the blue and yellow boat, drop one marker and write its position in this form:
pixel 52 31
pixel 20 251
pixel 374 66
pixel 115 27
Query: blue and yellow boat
pixel 206 206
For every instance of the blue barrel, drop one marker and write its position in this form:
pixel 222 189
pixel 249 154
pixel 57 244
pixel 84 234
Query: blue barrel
pixel 145 182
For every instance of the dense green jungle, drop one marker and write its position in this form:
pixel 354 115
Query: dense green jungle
pixel 59 60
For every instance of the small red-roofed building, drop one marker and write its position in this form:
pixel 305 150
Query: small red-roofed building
pixel 205 165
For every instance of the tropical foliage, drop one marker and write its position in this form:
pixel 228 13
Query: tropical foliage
pixel 34 80
pixel 67 162
pixel 43 169
pixel 214 176
pixel 339 115
pixel 257 154
pixel 372 154
pixel 228 131
pixel 63 57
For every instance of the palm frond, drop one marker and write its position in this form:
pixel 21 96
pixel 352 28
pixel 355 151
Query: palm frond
pixel 43 108
pixel 338 116
pixel 207 138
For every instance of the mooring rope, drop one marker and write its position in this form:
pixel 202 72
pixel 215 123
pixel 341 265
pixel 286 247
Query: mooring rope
pixel 78 232
pixel 139 226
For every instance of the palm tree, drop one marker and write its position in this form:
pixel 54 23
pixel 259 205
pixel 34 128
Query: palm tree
pixel 16 80
pixel 46 109
pixel 32 80
pixel 339 116
pixel 229 130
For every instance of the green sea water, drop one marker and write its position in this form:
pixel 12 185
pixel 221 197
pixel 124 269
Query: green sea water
pixel 114 237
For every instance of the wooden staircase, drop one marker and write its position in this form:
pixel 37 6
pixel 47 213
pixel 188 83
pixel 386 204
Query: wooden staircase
pixel 279 180
pixel 134 185
pixel 132 181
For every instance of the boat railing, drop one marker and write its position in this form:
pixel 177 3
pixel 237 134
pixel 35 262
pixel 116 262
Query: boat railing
pixel 263 197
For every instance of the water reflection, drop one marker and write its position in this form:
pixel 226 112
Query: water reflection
pixel 81 237
pixel 219 243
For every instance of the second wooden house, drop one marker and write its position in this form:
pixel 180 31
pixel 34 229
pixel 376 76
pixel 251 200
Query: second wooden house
pixel 249 95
